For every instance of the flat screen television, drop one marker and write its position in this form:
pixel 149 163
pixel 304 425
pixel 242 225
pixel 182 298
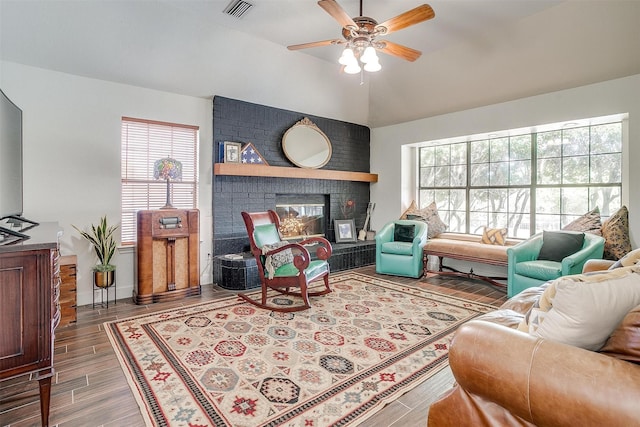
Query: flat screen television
pixel 10 158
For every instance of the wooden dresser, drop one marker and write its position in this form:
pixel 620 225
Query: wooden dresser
pixel 168 255
pixel 29 308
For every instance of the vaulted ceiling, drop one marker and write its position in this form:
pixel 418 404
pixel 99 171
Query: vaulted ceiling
pixel 474 52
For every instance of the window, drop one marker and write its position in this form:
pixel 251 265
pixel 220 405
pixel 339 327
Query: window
pixel 528 182
pixel 144 142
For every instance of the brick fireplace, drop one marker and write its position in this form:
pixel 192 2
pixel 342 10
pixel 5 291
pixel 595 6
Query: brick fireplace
pixel 264 126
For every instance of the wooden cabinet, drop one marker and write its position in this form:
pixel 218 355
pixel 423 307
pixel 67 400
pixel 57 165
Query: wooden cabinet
pixel 167 248
pixel 68 290
pixel 29 311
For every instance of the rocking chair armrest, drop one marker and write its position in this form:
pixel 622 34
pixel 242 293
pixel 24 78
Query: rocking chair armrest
pixel 324 249
pixel 295 247
pixel 301 256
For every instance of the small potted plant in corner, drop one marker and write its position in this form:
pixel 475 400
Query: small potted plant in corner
pixel 104 243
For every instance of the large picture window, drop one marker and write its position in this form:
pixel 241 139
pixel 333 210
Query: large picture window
pixel 527 182
pixel 143 142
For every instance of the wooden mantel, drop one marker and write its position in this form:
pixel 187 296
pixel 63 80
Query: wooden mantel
pixel 243 169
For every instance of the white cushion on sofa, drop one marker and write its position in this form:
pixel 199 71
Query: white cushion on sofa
pixel 585 310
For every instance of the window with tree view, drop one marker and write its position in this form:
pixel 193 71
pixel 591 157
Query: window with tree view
pixel 526 183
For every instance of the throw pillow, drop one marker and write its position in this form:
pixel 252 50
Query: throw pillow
pixel 586 309
pixel 624 342
pixel 403 232
pixel 538 310
pixel 412 208
pixel 415 217
pixel 628 260
pixel 615 231
pixel 557 245
pixel 587 223
pixel 429 215
pixel 494 236
pixel 274 261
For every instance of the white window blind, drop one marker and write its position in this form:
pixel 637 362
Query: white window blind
pixel 144 142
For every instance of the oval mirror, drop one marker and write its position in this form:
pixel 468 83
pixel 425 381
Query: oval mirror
pixel 306 146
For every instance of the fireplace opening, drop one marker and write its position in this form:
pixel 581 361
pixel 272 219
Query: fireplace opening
pixel 301 216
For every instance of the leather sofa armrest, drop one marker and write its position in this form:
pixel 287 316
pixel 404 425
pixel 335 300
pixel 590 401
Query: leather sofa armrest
pixel 522 302
pixel 541 381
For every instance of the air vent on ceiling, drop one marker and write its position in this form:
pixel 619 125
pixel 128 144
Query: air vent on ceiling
pixel 237 8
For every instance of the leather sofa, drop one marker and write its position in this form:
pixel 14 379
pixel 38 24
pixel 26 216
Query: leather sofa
pixel 510 378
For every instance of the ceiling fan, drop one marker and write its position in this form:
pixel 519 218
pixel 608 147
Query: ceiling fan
pixel 361 36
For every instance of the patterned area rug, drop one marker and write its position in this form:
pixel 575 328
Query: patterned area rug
pixel 229 363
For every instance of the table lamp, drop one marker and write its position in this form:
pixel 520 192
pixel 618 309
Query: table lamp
pixel 170 170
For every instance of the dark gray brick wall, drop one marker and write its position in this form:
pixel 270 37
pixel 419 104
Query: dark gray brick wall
pixel 264 126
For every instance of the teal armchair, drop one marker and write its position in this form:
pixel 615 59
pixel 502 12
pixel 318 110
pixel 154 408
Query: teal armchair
pixel 525 270
pixel 400 258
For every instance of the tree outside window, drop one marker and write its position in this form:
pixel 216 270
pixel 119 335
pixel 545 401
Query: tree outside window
pixel 528 182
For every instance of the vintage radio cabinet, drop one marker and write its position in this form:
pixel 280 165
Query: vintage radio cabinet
pixel 168 255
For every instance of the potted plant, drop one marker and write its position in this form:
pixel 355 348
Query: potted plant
pixel 104 243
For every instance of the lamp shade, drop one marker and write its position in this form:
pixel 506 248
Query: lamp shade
pixel 352 68
pixel 369 55
pixel 168 169
pixel 372 66
pixel 347 57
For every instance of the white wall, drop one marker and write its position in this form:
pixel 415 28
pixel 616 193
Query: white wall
pixel 71 143
pixel 396 186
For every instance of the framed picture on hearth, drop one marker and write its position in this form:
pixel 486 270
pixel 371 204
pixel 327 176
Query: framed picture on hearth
pixel 232 152
pixel 345 230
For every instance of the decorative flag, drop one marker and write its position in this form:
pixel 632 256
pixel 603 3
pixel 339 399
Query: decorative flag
pixel 220 156
pixel 251 156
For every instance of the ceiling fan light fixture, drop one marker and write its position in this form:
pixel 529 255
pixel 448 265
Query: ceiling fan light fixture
pixel 372 66
pixel 352 68
pixel 347 57
pixel 360 36
pixel 369 55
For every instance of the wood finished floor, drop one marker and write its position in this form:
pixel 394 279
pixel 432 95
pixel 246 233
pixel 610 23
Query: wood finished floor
pixel 90 389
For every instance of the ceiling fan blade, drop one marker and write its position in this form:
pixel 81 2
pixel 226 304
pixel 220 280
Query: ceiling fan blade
pixel 399 50
pixel 410 17
pixel 314 44
pixel 337 12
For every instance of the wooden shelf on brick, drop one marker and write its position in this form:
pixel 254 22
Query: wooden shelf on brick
pixel 243 169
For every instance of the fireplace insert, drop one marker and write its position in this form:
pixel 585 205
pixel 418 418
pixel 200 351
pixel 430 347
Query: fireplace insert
pixel 301 220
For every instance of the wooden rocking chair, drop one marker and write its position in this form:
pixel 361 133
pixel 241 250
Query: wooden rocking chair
pixel 283 265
